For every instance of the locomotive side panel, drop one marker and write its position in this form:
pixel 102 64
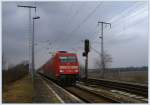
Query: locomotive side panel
pixel 49 68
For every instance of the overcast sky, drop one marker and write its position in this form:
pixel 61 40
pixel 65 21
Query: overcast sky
pixel 66 24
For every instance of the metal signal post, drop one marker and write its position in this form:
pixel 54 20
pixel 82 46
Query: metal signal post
pixel 102 46
pixel 85 53
pixel 86 67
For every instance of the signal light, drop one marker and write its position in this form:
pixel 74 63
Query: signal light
pixel 84 54
pixel 86 46
pixel 75 70
pixel 61 71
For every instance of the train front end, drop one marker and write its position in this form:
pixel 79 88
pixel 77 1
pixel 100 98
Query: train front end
pixel 68 68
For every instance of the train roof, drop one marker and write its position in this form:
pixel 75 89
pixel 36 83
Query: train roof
pixel 64 53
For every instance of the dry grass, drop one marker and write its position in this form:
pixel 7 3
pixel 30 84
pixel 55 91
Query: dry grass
pixel 20 91
pixel 14 73
pixel 129 76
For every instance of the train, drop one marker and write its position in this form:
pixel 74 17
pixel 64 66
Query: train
pixel 63 67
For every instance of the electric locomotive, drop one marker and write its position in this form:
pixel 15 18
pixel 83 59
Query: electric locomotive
pixel 63 67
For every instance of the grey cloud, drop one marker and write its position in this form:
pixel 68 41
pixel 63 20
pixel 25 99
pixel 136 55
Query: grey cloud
pixel 57 23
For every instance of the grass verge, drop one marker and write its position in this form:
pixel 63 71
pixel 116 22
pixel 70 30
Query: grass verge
pixel 20 91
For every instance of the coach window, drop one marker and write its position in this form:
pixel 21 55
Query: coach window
pixel 63 59
pixel 68 59
pixel 72 59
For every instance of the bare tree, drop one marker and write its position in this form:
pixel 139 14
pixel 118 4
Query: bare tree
pixel 107 62
pixel 98 63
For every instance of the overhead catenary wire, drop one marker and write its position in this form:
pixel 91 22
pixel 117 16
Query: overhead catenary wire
pixel 69 20
pixel 91 14
pixel 84 20
pixel 96 51
pixel 121 17
pixel 93 33
pixel 77 29
pixel 76 13
pixel 113 20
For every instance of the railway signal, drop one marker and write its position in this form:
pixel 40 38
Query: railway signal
pixel 86 47
pixel 85 53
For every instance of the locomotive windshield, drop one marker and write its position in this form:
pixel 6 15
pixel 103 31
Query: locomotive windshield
pixel 68 59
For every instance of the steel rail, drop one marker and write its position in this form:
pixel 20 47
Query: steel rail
pixel 65 95
pixel 95 97
pixel 129 87
pixel 90 96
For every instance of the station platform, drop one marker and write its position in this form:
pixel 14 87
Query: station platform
pixel 43 93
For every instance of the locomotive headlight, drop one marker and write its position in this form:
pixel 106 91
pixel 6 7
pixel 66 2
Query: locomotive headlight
pixel 61 71
pixel 76 70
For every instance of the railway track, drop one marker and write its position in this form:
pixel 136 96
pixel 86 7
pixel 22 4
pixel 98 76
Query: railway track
pixel 75 94
pixel 85 94
pixel 132 88
pixel 119 96
pixel 64 95
pixel 89 96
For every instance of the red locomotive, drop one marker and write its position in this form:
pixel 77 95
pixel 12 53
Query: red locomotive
pixel 63 67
